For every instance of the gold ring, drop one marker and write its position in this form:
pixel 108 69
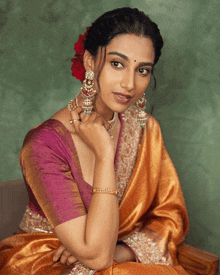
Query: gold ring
pixel 71 120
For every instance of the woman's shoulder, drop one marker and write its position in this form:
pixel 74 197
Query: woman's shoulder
pixel 50 130
pixel 152 122
pixel 63 116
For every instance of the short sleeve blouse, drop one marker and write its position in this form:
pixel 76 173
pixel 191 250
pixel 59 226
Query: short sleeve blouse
pixel 51 170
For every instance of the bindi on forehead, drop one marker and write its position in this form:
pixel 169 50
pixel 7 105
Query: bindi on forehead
pixel 127 59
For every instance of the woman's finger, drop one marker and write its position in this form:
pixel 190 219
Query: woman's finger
pixel 71 260
pixel 75 114
pixel 90 117
pixel 100 120
pixel 66 254
pixel 75 117
pixel 77 110
pixel 58 253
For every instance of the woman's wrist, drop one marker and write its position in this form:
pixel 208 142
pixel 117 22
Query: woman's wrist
pixel 105 157
pixel 104 173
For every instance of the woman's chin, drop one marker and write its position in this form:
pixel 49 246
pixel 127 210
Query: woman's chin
pixel 120 109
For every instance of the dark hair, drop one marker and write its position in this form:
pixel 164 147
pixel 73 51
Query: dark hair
pixel 122 21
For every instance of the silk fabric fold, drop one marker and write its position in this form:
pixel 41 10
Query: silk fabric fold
pixel 153 199
pixel 154 196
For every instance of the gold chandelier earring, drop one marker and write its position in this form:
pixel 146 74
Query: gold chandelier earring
pixel 142 115
pixel 88 93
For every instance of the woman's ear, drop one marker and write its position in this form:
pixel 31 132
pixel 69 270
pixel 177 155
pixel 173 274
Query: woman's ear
pixel 89 61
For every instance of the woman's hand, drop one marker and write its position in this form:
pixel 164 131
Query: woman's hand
pixel 123 254
pixel 91 129
pixel 64 255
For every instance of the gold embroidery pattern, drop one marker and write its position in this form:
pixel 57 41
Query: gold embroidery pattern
pixel 80 269
pixel 34 223
pixel 145 247
pixel 128 149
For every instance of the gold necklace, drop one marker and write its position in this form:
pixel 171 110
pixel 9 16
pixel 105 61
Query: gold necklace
pixel 112 123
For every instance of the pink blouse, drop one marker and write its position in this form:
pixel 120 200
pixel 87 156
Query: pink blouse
pixel 52 173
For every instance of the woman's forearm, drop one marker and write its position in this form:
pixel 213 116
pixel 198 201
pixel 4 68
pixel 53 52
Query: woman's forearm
pixel 92 238
pixel 103 215
pixel 97 232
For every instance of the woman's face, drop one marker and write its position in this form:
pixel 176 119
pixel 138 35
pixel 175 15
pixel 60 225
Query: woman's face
pixel 126 72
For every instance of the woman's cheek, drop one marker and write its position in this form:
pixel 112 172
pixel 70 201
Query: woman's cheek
pixel 144 83
pixel 107 75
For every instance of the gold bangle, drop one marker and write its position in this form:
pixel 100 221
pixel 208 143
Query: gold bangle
pixel 105 191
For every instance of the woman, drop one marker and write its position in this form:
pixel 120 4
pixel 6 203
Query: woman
pixel 104 194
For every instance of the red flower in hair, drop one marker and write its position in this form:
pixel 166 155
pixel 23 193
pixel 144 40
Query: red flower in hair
pixel 78 70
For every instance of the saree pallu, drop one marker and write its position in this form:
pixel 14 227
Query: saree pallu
pixel 153 217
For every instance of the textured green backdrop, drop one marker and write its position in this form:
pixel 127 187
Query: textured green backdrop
pixel 37 39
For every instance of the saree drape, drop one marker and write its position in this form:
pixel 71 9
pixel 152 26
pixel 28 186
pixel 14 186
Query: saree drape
pixel 153 218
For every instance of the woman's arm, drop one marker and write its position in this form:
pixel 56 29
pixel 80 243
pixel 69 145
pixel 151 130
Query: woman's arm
pixel 122 254
pixel 92 238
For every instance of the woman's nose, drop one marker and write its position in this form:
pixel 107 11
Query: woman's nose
pixel 127 81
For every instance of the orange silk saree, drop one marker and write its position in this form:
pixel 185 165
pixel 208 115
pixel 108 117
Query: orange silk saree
pixel 153 216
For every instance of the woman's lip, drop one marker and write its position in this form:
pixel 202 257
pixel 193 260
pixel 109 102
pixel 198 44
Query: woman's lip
pixel 122 98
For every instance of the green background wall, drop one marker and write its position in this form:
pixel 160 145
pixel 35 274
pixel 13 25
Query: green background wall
pixel 37 39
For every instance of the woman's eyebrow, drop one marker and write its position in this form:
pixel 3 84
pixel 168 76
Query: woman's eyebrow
pixel 127 59
pixel 119 54
pixel 146 64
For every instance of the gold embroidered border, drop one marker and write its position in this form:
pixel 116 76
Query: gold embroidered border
pixel 144 245
pixel 34 223
pixel 128 149
pixel 80 269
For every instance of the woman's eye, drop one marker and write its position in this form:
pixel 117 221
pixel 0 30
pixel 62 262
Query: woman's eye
pixel 116 64
pixel 144 71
